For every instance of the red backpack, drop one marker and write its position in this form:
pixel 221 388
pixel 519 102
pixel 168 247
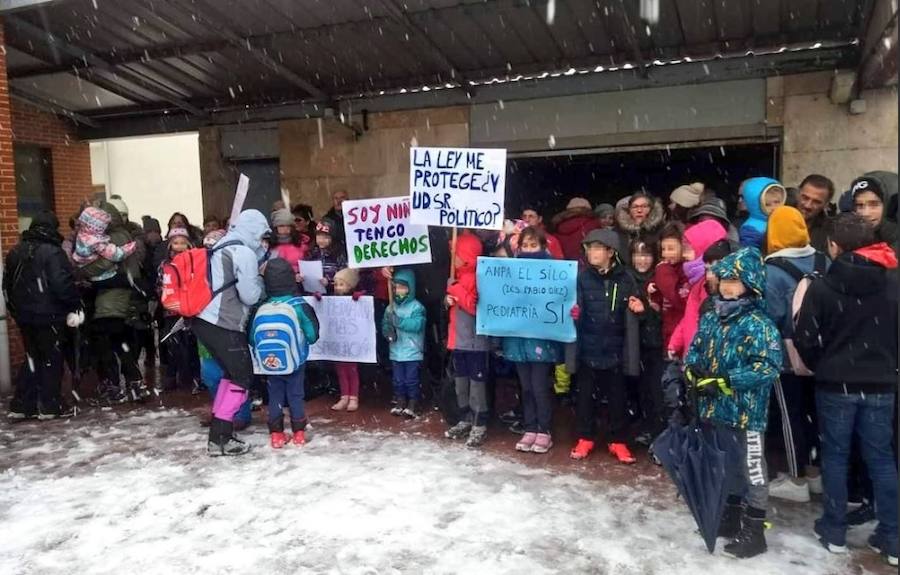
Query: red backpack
pixel 187 281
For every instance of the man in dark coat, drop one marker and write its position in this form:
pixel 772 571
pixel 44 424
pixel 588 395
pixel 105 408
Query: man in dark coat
pixel 816 193
pixel 41 295
pixel 336 215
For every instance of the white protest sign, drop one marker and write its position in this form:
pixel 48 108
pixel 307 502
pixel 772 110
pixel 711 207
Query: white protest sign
pixel 458 187
pixel 239 196
pixel 379 234
pixel 312 276
pixel 346 329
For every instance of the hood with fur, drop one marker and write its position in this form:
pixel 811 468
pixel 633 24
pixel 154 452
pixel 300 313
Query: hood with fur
pixel 655 219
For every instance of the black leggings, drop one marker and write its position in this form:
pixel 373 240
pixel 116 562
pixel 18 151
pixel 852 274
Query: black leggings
pixel 229 348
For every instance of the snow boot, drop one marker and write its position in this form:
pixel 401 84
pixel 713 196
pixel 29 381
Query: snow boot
pixel 730 524
pixel 412 409
pixel 108 394
pixel 885 548
pixel 399 406
pixel 527 441
pixel 542 443
pixel 751 539
pixel 299 437
pixel 352 403
pixel 620 451
pixel 137 391
pixel 277 439
pixel 222 440
pixel 341 405
pixel 477 436
pixel 582 449
pixel 459 430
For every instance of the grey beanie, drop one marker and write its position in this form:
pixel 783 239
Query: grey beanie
pixel 608 238
pixel 603 210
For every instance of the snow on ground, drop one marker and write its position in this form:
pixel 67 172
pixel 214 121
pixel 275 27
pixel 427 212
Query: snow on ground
pixel 136 493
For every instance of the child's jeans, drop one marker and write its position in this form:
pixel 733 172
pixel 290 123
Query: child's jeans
pixel 348 378
pixel 406 380
pixel 286 390
pixel 470 376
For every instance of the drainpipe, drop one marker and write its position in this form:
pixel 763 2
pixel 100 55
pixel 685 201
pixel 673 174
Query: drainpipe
pixel 5 371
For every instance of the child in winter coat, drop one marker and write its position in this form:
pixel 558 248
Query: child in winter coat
pixel 604 327
pixel 469 352
pixel 287 243
pixel 330 252
pixel 345 282
pixel 669 287
pixel 286 388
pixel 534 360
pixel 732 364
pixel 92 244
pixel 643 258
pixel 697 239
pixel 761 196
pixel 404 327
pixel 182 363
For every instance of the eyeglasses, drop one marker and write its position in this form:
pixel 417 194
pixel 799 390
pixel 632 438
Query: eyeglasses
pixel 640 207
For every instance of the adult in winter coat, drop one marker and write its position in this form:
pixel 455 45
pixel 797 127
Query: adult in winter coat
pixel 221 326
pixel 336 215
pixel 815 195
pixel 531 217
pixel 573 225
pixel 41 295
pixel 846 333
pixel 638 217
pixel 790 257
pixel 697 239
pixel 761 196
pixel 683 199
pixel 732 364
pixel 875 199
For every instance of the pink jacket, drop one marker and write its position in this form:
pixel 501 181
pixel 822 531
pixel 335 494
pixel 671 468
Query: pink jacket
pixel 291 253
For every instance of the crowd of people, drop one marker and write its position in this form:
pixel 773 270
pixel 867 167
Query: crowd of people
pixel 682 313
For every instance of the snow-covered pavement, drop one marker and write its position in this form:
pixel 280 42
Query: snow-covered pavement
pixel 135 493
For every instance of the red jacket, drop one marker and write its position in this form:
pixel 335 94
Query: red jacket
pixel 571 228
pixel 671 295
pixel 554 247
pixel 461 333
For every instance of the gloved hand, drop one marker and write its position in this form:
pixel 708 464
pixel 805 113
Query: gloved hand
pixel 707 383
pixel 75 318
pixel 357 294
pixel 317 295
pixel 575 312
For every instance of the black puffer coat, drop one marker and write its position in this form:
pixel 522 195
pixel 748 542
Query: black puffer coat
pixel 603 298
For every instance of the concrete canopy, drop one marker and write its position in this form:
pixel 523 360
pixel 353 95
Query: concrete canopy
pixel 146 66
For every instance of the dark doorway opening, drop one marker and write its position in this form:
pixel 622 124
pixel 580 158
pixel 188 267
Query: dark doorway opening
pixel 549 182
pixel 34 181
pixel 265 183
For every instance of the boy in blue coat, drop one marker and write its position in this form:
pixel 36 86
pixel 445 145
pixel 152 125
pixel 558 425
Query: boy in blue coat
pixel 404 328
pixel 733 361
pixel 281 287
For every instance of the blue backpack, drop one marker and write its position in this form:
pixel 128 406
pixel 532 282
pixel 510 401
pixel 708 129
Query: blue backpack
pixel 279 345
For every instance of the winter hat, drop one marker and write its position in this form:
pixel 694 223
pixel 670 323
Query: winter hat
pixel 714 207
pixel 701 236
pixel 866 184
pixel 787 229
pixel 94 220
pixel 120 205
pixel 604 210
pixel 45 219
pixel 687 196
pixel 282 217
pixel 178 232
pixel 151 224
pixel 348 276
pixel 279 278
pixel 746 265
pixel 717 251
pixel 325 226
pixel 213 237
pixel 608 238
pixel 578 203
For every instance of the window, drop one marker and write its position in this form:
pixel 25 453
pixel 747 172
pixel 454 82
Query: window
pixel 34 182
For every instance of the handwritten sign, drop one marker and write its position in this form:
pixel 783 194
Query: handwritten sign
pixel 520 297
pixel 458 187
pixel 379 234
pixel 346 329
pixel 240 195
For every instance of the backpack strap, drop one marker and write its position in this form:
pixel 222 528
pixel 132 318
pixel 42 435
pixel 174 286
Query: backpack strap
pixel 787 266
pixel 820 263
pixel 213 250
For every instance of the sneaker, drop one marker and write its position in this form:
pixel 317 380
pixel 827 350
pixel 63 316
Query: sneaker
pixel 299 437
pixel 831 547
pixel 786 487
pixel 137 391
pixel 620 451
pixel 19 415
pixel 542 444
pixel 232 447
pixel 477 436
pixel 814 484
pixel 397 410
pixel 277 439
pixel 582 449
pixel 517 427
pixel 64 412
pixel 508 417
pixel 527 442
pixel 398 406
pixel 645 438
pixel 877 544
pixel 861 515
pixel 412 410
pixel 459 430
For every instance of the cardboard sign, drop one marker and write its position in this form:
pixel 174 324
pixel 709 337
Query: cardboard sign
pixel 379 233
pixel 521 297
pixel 346 329
pixel 458 187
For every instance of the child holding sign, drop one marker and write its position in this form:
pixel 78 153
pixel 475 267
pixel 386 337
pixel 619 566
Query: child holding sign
pixel 404 327
pixel 330 252
pixel 469 352
pixel 534 359
pixel 345 282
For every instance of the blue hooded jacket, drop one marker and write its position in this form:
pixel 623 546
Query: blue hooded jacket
pixel 753 191
pixel 738 340
pixel 408 318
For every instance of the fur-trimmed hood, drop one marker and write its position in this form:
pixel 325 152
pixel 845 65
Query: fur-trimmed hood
pixel 626 223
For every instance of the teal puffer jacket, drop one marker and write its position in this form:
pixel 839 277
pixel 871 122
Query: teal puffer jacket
pixel 408 319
